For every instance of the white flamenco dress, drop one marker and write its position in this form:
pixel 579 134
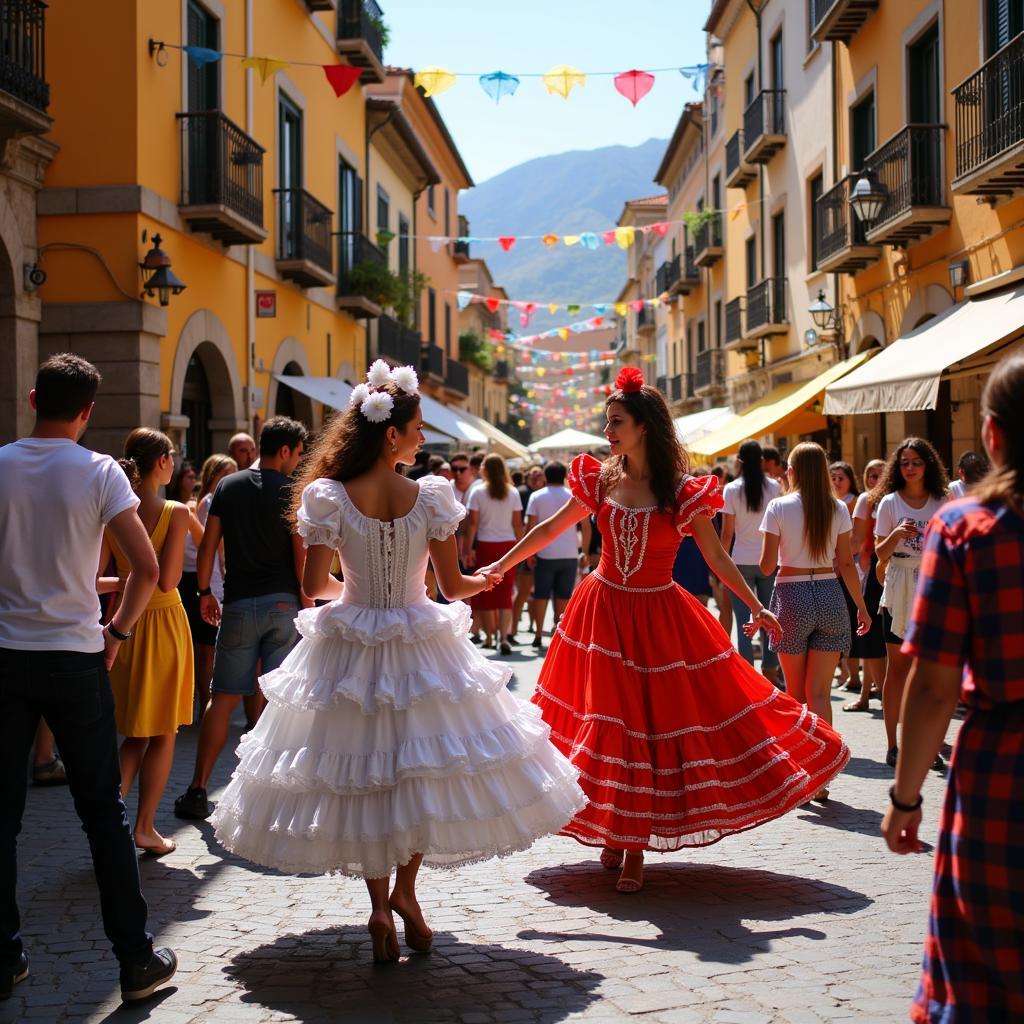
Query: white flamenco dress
pixel 387 734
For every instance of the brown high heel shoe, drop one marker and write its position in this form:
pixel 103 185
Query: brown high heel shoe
pixel 385 942
pixel 419 942
pixel 612 859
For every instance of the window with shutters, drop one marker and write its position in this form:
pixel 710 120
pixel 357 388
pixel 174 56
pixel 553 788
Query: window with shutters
pixel 862 131
pixel 403 245
pixel 383 210
pixel 1004 20
pixel 203 78
pixel 815 189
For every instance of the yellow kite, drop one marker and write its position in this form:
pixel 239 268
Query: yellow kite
pixel 561 78
pixel 266 66
pixel 433 80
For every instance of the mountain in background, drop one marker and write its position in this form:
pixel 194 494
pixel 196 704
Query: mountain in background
pixel 567 193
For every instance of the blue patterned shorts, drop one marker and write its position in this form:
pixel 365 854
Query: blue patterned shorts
pixel 813 616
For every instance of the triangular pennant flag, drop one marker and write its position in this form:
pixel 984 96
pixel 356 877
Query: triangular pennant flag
pixel 563 333
pixel 342 77
pixel 202 55
pixel 495 334
pixel 436 242
pixel 625 236
pixel 492 304
pixel 550 240
pixel 572 309
pixel 737 210
pixel 608 237
pixel 463 299
pixel 598 320
pixel 659 229
pixel 636 305
pixel 507 241
pixel 385 237
pixel 498 84
pixel 571 239
pixel 561 79
pixel 621 308
pixel 266 66
pixel 524 320
pixel 590 241
pixel 552 307
pixel 634 85
pixel 433 80
pixel 601 308
pixel 531 308
pixel 655 303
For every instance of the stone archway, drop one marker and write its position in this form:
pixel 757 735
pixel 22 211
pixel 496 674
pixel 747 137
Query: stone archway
pixel 868 332
pixel 291 360
pixel 206 338
pixel 925 304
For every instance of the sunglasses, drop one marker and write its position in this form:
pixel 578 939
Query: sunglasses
pixel 459 469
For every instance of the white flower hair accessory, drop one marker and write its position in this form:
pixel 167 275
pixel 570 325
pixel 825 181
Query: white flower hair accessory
pixel 377 406
pixel 405 377
pixel 379 374
pixel 360 393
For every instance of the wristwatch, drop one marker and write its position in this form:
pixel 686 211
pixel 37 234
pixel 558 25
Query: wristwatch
pixel 205 592
pixel 117 634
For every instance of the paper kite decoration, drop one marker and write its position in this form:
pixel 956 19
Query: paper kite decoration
pixel 634 85
pixel 202 55
pixel 559 81
pixel 498 84
pixel 433 80
pixel 266 66
pixel 342 77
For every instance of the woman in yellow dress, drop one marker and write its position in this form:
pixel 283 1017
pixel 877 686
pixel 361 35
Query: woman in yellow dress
pixel 152 677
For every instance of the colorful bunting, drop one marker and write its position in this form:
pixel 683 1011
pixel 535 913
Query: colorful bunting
pixel 625 236
pixel 202 55
pixel 498 84
pixel 550 240
pixel 589 240
pixel 266 66
pixel 492 304
pixel 507 241
pixel 571 239
pixel 433 80
pixel 634 85
pixel 561 79
pixel 342 77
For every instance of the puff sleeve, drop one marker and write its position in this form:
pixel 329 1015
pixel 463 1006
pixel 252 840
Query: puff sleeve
pixel 698 496
pixel 319 515
pixel 444 513
pixel 583 476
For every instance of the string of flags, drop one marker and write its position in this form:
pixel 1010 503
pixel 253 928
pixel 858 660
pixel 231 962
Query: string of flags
pixel 559 80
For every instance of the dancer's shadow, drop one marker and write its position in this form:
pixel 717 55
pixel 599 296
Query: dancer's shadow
pixel 706 909
pixel 328 974
pixel 868 768
pixel 844 817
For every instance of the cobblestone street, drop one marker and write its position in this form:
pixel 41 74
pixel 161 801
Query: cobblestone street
pixel 805 920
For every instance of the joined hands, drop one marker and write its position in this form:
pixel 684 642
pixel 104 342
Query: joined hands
pixel 763 619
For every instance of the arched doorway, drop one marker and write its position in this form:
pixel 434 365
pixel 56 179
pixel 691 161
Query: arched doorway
pixel 291 403
pixel 197 405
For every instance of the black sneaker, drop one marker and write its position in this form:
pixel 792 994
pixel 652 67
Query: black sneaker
pixel 141 982
pixel 10 976
pixel 504 648
pixel 536 642
pixel 890 758
pixel 193 805
pixel 939 764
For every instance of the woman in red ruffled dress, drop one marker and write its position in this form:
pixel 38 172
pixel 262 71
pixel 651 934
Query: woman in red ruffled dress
pixel 678 741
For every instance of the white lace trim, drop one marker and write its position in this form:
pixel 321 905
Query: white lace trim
pixel 687 730
pixel 629 663
pixel 632 590
pixel 577 476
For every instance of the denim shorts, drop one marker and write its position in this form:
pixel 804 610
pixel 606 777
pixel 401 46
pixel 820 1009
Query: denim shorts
pixel 812 614
pixel 554 577
pixel 254 631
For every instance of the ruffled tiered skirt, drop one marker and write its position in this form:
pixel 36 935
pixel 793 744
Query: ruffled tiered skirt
pixel 678 741
pixel 387 735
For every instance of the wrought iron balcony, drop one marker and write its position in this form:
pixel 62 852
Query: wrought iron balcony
pixel 707 243
pixel 460 250
pixel 221 179
pixel 303 238
pixel 645 318
pixel 675 388
pixel 359 36
pixel 432 362
pixel 733 323
pixel 661 383
pixel 456 378
pixel 667 275
pixel 766 308
pixel 990 125
pixel 838 21
pixel 909 166
pixel 24 92
pixel 501 370
pixel 356 293
pixel 738 173
pixel 690 275
pixel 710 371
pixel 842 246
pixel 764 126
pixel 397 343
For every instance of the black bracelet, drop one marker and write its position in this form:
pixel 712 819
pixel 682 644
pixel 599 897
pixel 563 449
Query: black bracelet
pixel 117 634
pixel 205 592
pixel 905 808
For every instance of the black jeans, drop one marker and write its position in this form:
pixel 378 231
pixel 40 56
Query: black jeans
pixel 72 692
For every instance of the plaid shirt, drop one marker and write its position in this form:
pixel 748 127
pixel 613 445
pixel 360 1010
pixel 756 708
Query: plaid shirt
pixel 970 600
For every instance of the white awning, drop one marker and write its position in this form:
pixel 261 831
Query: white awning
pixel 500 442
pixel 904 377
pixel 699 424
pixel 449 421
pixel 335 393
pixel 569 440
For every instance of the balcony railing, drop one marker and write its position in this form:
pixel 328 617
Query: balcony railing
pixel 764 126
pixel 909 166
pixel 304 238
pixel 456 378
pixel 460 250
pixel 354 291
pixel 733 320
pixel 432 361
pixel 667 275
pixel 690 272
pixel 837 21
pixel 661 383
pixel 707 242
pixel 501 370
pixel 359 34
pixel 675 388
pixel 23 51
pixel 738 173
pixel 645 317
pixel 710 369
pixel 842 245
pixel 766 308
pixel 397 343
pixel 990 125
pixel 221 178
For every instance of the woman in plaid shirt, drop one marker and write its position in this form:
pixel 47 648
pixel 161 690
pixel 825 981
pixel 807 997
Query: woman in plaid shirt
pixel 967 641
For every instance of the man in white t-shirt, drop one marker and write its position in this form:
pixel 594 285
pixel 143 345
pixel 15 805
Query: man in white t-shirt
pixel 56 498
pixel 557 565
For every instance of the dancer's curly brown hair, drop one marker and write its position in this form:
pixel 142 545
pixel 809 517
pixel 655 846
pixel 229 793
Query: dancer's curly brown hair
pixel 666 457
pixel 350 443
pixel 936 483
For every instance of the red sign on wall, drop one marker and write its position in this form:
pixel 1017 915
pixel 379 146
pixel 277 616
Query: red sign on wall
pixel 266 304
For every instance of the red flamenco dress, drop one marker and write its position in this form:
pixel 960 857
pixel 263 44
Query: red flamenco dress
pixel 678 741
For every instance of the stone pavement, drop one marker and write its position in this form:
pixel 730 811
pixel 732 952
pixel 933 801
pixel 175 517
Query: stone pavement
pixel 805 920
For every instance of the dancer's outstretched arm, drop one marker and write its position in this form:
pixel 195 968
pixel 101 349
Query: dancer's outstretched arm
pixel 540 536
pixel 444 556
pixel 725 569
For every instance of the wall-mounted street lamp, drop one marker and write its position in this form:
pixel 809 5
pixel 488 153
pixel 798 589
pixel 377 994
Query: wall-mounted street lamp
pixel 867 198
pixel 157 277
pixel 959 274
pixel 826 317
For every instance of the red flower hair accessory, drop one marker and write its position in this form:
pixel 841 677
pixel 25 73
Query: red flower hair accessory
pixel 630 378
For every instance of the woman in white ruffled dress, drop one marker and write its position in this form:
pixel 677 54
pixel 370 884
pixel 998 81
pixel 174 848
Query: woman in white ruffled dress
pixel 389 741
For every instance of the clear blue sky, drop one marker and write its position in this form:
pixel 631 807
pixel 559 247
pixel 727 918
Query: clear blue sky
pixel 532 36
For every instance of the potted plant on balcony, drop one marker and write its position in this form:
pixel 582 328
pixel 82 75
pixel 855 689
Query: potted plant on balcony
pixel 408 289
pixel 472 349
pixel 374 282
